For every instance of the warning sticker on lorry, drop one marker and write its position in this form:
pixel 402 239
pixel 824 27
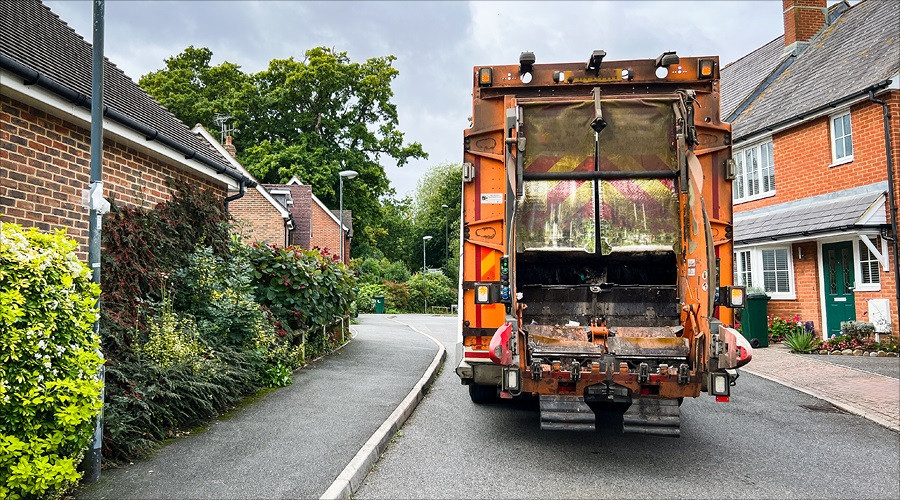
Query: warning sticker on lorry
pixel 492 198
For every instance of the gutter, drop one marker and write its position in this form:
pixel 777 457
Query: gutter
pixel 32 77
pixel 889 154
pixel 807 114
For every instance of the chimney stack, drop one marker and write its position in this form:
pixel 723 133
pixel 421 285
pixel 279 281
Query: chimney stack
pixel 229 146
pixel 802 20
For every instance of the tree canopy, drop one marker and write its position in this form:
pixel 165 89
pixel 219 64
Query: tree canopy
pixel 309 119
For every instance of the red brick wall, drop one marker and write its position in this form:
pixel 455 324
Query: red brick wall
pixel 806 283
pixel 803 169
pixel 302 211
pixel 259 220
pixel 803 157
pixel 45 165
pixel 325 231
pixel 888 291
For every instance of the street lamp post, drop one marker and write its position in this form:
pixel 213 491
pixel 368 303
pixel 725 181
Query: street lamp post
pixel 446 234
pixel 424 273
pixel 349 174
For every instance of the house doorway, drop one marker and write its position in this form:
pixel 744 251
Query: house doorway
pixel 837 264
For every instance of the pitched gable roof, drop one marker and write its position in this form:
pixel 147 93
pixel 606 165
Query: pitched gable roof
pixel 858 50
pixel 747 73
pixel 37 45
pixel 215 144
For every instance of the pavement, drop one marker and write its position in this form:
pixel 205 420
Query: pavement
pixel 319 437
pixel 861 385
pixel 296 441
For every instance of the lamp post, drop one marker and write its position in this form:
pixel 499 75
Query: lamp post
pixel 446 234
pixel 349 174
pixel 424 273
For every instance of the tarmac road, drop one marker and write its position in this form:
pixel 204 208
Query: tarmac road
pixel 769 442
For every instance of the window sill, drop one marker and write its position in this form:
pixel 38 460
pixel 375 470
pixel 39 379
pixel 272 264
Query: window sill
pixel 754 198
pixel 842 161
pixel 870 287
pixel 782 296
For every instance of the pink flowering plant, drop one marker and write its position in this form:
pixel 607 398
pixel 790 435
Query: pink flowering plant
pixel 779 328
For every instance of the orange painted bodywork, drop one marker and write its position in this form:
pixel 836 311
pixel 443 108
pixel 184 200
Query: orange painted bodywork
pixel 489 147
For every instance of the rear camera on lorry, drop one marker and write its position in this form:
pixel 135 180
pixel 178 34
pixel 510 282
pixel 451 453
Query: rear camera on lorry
pixel 526 62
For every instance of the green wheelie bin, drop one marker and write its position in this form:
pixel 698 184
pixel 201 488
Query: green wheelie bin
pixel 754 320
pixel 379 304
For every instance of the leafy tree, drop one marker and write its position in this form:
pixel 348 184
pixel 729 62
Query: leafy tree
pixel 194 91
pixel 441 185
pixel 309 119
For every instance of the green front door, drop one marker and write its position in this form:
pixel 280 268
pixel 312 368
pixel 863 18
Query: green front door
pixel 837 259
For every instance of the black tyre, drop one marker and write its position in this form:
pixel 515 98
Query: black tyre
pixel 754 343
pixel 482 394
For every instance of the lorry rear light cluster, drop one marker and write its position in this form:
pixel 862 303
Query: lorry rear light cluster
pixel 706 68
pixel 505 292
pixel 482 294
pixel 719 384
pixel 731 296
pixel 512 380
pixel 485 77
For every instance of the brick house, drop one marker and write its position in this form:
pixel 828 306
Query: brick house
pixel 315 225
pixel 260 217
pixel 812 198
pixel 45 114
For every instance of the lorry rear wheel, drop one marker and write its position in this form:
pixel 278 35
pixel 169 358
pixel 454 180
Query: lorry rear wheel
pixel 482 394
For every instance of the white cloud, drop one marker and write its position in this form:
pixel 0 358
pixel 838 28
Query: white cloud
pixel 437 43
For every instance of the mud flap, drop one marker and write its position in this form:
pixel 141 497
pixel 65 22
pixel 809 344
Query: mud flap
pixel 659 417
pixel 566 413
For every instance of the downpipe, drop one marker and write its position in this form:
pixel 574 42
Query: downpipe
pixel 240 194
pixel 886 114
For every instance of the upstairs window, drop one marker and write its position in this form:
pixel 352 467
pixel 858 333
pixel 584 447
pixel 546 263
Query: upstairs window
pixel 754 172
pixel 841 139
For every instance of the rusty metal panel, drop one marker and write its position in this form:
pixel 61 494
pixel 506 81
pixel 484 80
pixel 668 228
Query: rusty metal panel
pixel 577 333
pixel 674 347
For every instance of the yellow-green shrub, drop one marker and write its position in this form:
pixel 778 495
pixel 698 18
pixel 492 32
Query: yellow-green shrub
pixel 49 392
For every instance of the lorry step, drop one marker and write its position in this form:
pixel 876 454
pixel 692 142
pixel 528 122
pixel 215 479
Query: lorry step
pixel 659 417
pixel 566 413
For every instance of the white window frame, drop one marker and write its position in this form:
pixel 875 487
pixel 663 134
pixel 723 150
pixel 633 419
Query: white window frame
pixel 756 270
pixel 740 272
pixel 835 161
pixel 879 258
pixel 741 171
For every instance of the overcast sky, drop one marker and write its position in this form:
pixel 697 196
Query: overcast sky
pixel 436 43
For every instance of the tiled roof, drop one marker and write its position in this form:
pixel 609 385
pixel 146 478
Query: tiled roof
pixel 32 35
pixel 348 219
pixel 740 78
pixel 859 49
pixel 818 214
